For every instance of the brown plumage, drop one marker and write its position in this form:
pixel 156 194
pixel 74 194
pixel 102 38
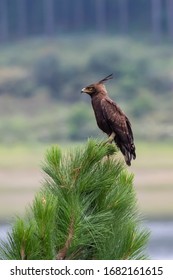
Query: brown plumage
pixel 111 119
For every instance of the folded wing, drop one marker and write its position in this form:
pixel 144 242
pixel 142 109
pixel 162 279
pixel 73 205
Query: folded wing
pixel 119 124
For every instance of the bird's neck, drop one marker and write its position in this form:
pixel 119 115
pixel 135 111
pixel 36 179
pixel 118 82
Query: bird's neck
pixel 99 94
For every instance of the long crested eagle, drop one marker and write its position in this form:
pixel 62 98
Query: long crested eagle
pixel 111 119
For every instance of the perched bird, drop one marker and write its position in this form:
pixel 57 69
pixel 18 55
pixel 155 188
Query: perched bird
pixel 111 119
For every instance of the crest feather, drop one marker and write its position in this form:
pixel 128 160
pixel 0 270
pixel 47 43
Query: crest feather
pixel 109 77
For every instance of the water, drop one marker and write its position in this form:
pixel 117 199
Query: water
pixel 3 231
pixel 161 239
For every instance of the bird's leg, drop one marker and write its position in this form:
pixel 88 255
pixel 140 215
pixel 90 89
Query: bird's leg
pixel 111 138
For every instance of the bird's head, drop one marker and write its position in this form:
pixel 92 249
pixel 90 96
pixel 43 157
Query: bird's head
pixel 96 88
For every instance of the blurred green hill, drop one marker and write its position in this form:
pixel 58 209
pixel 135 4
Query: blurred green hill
pixel 41 79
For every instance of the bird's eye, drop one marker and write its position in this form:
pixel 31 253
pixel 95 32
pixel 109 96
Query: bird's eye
pixel 90 88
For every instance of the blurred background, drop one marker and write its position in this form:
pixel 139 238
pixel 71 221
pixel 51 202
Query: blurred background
pixel 49 50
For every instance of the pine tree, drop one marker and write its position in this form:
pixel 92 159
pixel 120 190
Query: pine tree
pixel 86 209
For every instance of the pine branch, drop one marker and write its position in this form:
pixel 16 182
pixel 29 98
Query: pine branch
pixel 63 252
pixel 87 209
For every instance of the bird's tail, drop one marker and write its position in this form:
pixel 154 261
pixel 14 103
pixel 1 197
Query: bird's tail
pixel 128 152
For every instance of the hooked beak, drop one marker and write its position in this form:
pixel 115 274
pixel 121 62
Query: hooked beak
pixel 83 90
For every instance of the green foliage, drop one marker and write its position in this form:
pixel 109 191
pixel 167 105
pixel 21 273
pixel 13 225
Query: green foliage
pixel 85 210
pixel 38 68
pixel 32 237
pixel 143 105
pixel 21 242
pixel 47 73
pixel 81 122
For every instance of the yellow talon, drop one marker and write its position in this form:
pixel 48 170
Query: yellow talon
pixel 111 138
